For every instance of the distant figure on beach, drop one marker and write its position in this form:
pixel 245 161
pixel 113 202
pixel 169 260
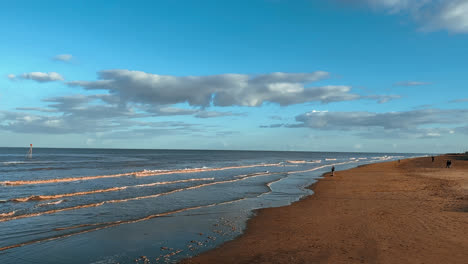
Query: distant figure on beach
pixel 398 161
pixel 333 171
pixel 432 158
pixel 449 164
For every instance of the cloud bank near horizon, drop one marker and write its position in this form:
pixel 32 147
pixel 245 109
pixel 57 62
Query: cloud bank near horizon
pixel 414 124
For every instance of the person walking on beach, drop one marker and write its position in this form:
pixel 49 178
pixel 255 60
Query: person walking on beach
pixel 333 171
pixel 432 158
pixel 449 164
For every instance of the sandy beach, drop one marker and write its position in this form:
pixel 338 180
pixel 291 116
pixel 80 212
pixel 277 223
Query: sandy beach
pixel 413 211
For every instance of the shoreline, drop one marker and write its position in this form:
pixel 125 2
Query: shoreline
pixel 390 212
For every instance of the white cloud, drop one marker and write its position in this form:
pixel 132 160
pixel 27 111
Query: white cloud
pixel 451 15
pixel 219 90
pixel 11 77
pixel 63 57
pixel 42 76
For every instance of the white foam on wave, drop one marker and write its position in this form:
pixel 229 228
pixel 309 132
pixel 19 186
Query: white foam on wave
pixel 136 174
pixel 303 161
pixel 296 161
pixel 8 214
pixel 9 218
pixel 50 203
pixel 113 189
pixel 197 168
pixel 153 171
pixel 14 162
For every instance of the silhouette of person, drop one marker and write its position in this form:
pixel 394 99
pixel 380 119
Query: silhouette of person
pixel 432 158
pixel 332 170
pixel 449 164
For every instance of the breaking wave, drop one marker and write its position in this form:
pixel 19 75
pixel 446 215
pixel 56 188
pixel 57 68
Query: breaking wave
pixel 7 214
pixel 113 189
pixel 50 203
pixel 15 217
pixel 144 173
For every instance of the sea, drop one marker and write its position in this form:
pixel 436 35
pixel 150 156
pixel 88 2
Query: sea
pixel 146 206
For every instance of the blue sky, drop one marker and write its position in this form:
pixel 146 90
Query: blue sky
pixel 363 75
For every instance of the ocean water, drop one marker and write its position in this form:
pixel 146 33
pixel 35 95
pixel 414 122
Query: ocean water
pixel 145 206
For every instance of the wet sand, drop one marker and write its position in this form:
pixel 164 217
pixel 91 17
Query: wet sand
pixel 415 211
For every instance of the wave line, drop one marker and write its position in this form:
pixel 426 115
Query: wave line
pixel 15 217
pixel 113 189
pixel 120 222
pixel 144 173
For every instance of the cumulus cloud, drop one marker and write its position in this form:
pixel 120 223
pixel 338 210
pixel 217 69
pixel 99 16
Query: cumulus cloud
pixel 411 83
pixel 39 76
pixel 219 90
pixel 130 96
pixel 63 57
pixel 415 123
pixel 451 15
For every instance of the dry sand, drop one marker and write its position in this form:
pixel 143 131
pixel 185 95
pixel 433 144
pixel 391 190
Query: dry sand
pixel 415 211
